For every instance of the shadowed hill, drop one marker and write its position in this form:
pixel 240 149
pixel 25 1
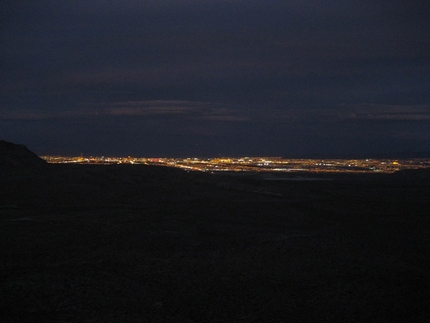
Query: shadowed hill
pixel 18 159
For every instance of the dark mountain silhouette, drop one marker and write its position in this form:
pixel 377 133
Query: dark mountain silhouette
pixel 17 159
pixel 402 155
pixel 373 155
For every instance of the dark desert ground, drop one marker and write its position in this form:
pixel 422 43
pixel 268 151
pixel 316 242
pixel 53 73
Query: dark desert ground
pixel 137 243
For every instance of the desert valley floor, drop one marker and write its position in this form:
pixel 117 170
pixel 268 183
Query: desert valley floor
pixel 136 243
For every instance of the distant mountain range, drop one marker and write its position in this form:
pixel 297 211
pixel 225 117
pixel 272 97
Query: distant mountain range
pixel 403 155
pixel 392 155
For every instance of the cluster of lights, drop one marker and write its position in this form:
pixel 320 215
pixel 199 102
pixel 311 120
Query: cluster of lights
pixel 258 164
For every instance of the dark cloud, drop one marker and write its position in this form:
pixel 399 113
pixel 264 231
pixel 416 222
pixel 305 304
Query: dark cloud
pixel 262 72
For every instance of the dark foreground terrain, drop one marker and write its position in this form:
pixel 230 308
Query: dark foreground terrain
pixel 135 243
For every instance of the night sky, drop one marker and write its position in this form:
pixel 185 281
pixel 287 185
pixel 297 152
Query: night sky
pixel 204 78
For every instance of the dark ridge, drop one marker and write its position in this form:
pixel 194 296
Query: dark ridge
pixel 391 155
pixel 404 155
pixel 18 159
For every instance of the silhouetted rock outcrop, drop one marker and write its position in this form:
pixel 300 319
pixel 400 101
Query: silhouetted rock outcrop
pixel 18 159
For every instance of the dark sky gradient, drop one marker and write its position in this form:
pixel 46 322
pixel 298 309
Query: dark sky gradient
pixel 209 78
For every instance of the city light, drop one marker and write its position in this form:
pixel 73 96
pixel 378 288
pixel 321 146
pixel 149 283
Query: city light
pixel 258 164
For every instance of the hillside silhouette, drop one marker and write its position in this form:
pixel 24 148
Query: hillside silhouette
pixel 18 159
